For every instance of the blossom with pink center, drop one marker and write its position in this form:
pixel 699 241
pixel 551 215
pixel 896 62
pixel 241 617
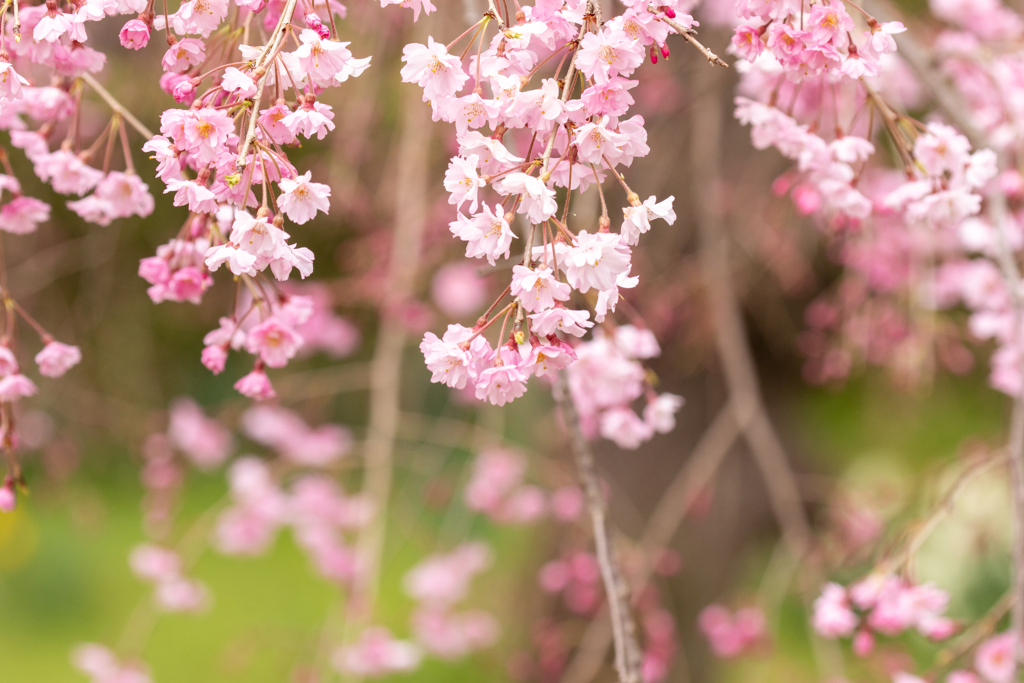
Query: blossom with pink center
pixel 271 122
pixel 10 82
pixel 202 133
pixel 300 198
pixel 537 289
pixel 994 658
pixel 595 143
pixel 432 68
pixel 185 53
pixel 23 215
pixel 256 385
pixel 55 359
pixel 832 614
pixel 500 384
pixel 16 387
pixel 596 260
pixel 326 62
pixel 608 53
pixel 746 40
pixel 537 199
pixel 488 233
pixel 312 118
pixel 560 319
pixel 829 23
pixel 611 98
pixel 238 83
pixel 545 360
pixel 451 364
pixel 274 341
pixel 462 181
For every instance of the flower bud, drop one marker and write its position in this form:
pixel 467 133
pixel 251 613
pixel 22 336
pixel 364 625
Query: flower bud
pixel 134 34
pixel 184 92
pixel 8 498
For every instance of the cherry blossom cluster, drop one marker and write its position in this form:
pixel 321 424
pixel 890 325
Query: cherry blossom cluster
pixel 820 87
pixel 882 604
pixel 249 100
pixel 609 378
pixel 547 136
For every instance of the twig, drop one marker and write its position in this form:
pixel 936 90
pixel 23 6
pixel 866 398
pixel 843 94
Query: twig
pixel 978 632
pixel 690 35
pixel 627 652
pixel 263 61
pixel 493 11
pixel 385 370
pixel 675 502
pixel 115 105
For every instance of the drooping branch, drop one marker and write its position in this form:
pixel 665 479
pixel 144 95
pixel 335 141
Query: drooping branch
pixel 627 652
pixel 693 477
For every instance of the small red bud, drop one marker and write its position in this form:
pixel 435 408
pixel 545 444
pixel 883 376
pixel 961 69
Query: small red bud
pixel 664 50
pixel 669 12
pixel 654 55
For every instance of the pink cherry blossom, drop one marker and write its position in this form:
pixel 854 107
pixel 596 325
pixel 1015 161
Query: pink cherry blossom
pixel 301 199
pixel 256 385
pixel 55 359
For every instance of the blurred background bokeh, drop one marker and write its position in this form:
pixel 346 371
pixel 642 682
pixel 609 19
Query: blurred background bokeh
pixel 870 452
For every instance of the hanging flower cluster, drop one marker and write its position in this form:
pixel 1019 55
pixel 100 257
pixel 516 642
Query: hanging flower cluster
pixel 247 104
pixel 549 135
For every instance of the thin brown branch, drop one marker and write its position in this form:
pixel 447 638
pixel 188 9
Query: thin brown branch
pixel 385 370
pixel 677 499
pixel 627 652
pixel 690 35
pixel 952 102
pixel 113 103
